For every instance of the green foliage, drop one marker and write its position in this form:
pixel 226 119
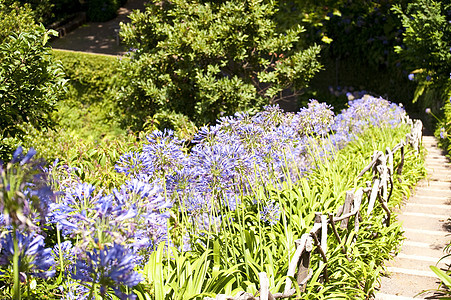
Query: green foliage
pixel 427 44
pixel 366 31
pixel 427 37
pixel 91 76
pixel 443 120
pixel 47 11
pixel 357 40
pixel 205 59
pixel 87 109
pixel 87 134
pixel 443 275
pixel 30 80
pixel 14 18
pixel 102 10
pixel 184 276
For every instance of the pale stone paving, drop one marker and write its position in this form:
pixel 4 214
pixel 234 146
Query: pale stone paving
pixel 427 229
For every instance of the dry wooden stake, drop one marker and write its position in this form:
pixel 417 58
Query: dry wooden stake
pixel 334 229
pixel 347 208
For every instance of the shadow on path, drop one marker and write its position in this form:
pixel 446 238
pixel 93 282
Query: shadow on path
pixel 99 37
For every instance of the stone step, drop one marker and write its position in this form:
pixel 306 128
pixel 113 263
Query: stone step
pixel 403 283
pixel 416 262
pixel 426 221
pixel 437 169
pixel 436 158
pixel 434 184
pixel 439 177
pixel 441 167
pixel 382 296
pixel 430 200
pixel 433 192
pixel 436 209
pixel 416 248
pixel 437 166
pixel 430 147
pixel 437 239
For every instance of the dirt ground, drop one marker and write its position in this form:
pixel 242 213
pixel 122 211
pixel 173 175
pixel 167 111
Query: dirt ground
pixel 99 37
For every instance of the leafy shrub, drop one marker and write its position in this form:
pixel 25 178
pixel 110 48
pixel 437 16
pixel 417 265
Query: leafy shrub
pixel 205 59
pixel 102 10
pixel 427 48
pixel 30 80
pixel 48 11
pixel 91 76
pixel 14 18
pixel 357 40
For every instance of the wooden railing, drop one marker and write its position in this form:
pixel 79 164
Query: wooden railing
pixel 380 189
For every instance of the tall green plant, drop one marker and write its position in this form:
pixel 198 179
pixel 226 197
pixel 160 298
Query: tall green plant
pixel 427 46
pixel 30 80
pixel 206 59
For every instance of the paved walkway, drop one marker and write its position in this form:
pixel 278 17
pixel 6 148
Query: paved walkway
pixel 99 37
pixel 427 228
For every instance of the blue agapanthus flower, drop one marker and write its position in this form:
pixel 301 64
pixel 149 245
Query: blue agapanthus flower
pixel 64 251
pixel 315 119
pixel 34 258
pixel 271 213
pixel 130 163
pixel 162 154
pixel 26 191
pixel 111 267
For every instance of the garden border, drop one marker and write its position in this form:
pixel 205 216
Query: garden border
pixel 383 169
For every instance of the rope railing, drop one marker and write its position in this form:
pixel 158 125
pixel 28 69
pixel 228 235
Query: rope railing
pixel 380 189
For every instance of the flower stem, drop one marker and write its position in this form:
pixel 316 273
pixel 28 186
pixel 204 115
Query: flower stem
pixel 58 236
pixel 16 286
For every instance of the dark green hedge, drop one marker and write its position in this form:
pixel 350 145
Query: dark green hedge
pixel 91 76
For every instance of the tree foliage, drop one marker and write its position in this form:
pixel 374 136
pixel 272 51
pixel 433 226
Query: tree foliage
pixel 426 48
pixel 14 18
pixel 427 36
pixel 205 59
pixel 30 81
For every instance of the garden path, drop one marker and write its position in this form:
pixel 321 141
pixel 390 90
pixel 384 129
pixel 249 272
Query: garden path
pixel 427 229
pixel 99 37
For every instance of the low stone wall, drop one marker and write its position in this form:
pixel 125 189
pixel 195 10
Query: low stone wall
pixel 67 25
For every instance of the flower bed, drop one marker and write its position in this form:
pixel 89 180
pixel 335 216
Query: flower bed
pixel 201 216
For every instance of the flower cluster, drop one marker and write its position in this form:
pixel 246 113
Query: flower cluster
pixel 110 267
pixel 170 185
pixel 243 151
pixel 363 113
pixel 34 258
pixel 25 197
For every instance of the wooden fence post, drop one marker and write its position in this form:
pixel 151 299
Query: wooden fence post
pixel 296 261
pixel 401 164
pixel 265 294
pixel 373 196
pixel 304 271
pixel 347 208
pixel 357 202
pixel 389 155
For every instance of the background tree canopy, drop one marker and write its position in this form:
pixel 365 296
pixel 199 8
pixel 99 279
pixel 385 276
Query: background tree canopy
pixel 205 59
